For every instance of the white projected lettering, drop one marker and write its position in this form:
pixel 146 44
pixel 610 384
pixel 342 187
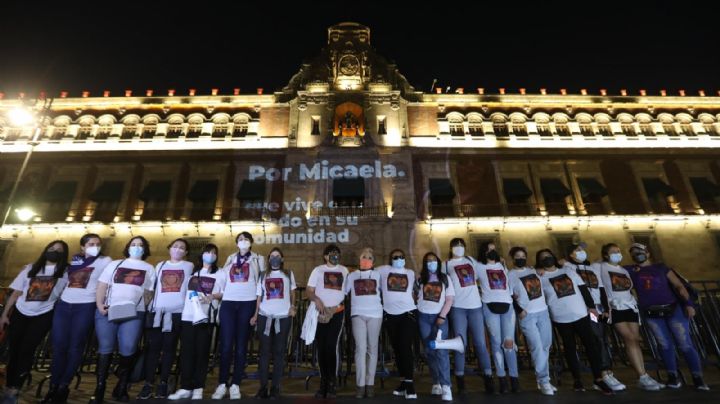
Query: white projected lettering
pixel 323 170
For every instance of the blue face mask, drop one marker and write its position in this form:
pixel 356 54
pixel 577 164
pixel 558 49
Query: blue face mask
pixel 615 258
pixel 399 263
pixel 432 266
pixel 136 251
pixel 580 256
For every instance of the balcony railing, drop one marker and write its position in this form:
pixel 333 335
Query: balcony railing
pixel 513 209
pixel 352 211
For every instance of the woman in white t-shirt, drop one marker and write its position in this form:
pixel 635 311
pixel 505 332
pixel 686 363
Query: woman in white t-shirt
pixel 163 317
pixel 467 312
pixel 123 290
pixel 239 302
pixel 206 284
pixel 435 294
pixel 273 316
pixel 498 315
pixel 533 314
pixel 326 288
pixel 401 318
pixel 366 312
pixel 34 293
pixel 624 312
pixel 74 316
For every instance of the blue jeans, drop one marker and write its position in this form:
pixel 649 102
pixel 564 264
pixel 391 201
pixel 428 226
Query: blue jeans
pixel 438 360
pixel 501 328
pixel 671 331
pixel 126 334
pixel 461 319
pixel 70 332
pixel 235 330
pixel 537 329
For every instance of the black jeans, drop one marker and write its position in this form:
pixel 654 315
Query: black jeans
pixel 25 333
pixel 194 354
pixel 275 346
pixel 402 329
pixel 601 336
pixel 157 344
pixel 327 340
pixel 582 329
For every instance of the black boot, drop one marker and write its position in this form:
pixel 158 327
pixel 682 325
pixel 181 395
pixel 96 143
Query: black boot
pixel 120 392
pixel 331 393
pixel 61 395
pixel 103 366
pixel 460 384
pixel 514 384
pixel 489 384
pixel 503 385
pixel 263 392
pixel 323 389
pixel 50 396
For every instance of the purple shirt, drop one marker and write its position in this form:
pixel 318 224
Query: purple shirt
pixel 652 285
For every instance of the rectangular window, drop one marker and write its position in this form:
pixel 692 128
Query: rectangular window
pixel 348 192
pixel 555 195
pixel 658 193
pixel 381 125
pixel 315 130
pixel 516 194
pixel 442 197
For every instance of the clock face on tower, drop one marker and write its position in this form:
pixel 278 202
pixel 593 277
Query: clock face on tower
pixel 349 65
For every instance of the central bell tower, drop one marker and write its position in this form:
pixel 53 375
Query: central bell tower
pixel 349 48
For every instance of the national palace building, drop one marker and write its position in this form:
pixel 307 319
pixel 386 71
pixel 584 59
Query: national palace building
pixel 349 152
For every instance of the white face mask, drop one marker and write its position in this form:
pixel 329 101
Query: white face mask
pixel 616 258
pixel 458 251
pixel 432 266
pixel 580 256
pixel 92 251
pixel 244 245
pixel 176 253
pixel 136 251
pixel 399 263
pixel 208 258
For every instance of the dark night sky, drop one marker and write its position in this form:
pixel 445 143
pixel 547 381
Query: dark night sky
pixel 160 45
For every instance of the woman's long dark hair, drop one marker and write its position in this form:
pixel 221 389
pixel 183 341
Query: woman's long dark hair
pixel 456 242
pixel 483 251
pixel 425 273
pixel 41 261
pixel 199 264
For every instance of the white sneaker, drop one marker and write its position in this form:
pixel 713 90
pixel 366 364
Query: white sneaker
pixel 197 394
pixel 436 390
pixel 220 392
pixel 446 393
pixel 613 384
pixel 554 389
pixel 181 394
pixel 647 383
pixel 617 382
pixel 547 389
pixel 234 392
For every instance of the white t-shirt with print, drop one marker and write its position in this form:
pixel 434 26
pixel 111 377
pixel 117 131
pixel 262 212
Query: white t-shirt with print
pixel 364 290
pixel 562 293
pixel 206 283
pixel 464 274
pixel 40 292
pixel 82 283
pixel 590 274
pixel 618 286
pixel 172 280
pixel 526 285
pixel 432 295
pixel 494 286
pixel 329 284
pixel 127 281
pixel 241 282
pixel 274 291
pixel 397 289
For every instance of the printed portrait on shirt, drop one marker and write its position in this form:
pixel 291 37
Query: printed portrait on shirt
pixel 171 280
pixel 129 276
pixel 589 278
pixel 204 284
pixel 333 280
pixel 40 288
pixel 240 273
pixel 497 279
pixel 397 282
pixel 274 288
pixel 532 286
pixel 79 278
pixel 647 281
pixel 465 274
pixel 620 282
pixel 365 287
pixel 432 291
pixel 563 286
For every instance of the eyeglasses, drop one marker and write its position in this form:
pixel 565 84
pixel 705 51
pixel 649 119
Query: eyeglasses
pixel 398 257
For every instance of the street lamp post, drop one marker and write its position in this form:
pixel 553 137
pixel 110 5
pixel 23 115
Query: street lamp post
pixel 21 117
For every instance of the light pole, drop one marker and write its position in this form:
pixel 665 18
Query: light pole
pixel 21 116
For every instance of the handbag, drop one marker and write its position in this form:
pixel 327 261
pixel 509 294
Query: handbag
pixel 119 312
pixel 660 310
pixel 498 307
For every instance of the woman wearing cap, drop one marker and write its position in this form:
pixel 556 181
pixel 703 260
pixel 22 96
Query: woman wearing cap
pixel 570 306
pixel 623 313
pixel 577 260
pixel 667 304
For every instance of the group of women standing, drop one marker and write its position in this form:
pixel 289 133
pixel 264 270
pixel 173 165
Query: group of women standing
pixel 181 301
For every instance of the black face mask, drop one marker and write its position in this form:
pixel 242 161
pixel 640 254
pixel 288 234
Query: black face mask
pixel 493 255
pixel 52 256
pixel 520 262
pixel 547 262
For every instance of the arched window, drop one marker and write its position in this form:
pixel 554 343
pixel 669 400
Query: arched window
pixel 500 126
pixel 240 126
pixel 194 127
pixel 475 125
pixel 455 123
